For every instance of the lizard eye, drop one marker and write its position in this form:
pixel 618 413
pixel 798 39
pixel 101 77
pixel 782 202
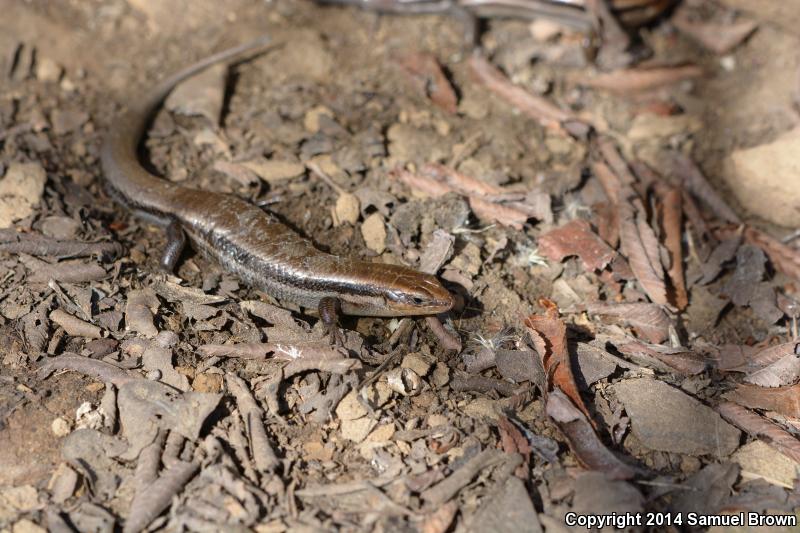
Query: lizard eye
pixel 416 300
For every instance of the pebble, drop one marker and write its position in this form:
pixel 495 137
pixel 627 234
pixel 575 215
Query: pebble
pixel 66 120
pixel 543 30
pixel 61 427
pixel 766 179
pixel 271 170
pixel 312 116
pixel 666 419
pixel 346 210
pixel 47 70
pixel 374 233
pixel 61 228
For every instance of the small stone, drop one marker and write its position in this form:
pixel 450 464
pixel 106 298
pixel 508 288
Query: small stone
pixel 666 419
pixel 358 429
pixel 26 526
pixel 317 451
pixel 15 500
pixel 483 408
pixel 648 127
pixel 47 70
pixel 271 170
pixel 440 376
pixel 67 120
pixel 61 427
pixel 543 30
pixel 437 420
pixel 374 233
pixel 207 382
pixel 761 461
pixel 67 85
pixel 417 363
pixel 347 209
pixel 350 408
pixel 765 179
pixel 312 116
pixel 61 228
pixel 379 394
pixel 20 190
pixel 442 127
pixel 381 434
pixel 728 63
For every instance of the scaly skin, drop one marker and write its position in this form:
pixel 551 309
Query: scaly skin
pixel 250 242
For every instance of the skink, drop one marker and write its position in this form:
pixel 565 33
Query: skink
pixel 250 242
pixel 572 13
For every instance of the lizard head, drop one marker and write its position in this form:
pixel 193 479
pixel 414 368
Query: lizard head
pixel 400 291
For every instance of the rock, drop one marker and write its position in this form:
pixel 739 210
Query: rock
pixel 26 526
pixel 311 120
pixel 374 233
pixel 14 500
pixel 307 58
pixel 543 30
pixel 417 362
pixel 765 179
pixel 647 127
pixel 272 170
pixel 597 494
pixel 760 461
pixel 357 430
pixel 60 427
pixel 207 382
pixel 47 70
pixel 350 408
pixel 67 120
pixel 508 509
pixel 201 95
pixel 59 227
pixel 666 419
pixel 346 210
pixel 20 190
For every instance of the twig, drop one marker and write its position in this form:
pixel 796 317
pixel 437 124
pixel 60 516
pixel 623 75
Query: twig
pixel 448 340
pixel 148 504
pixel 449 487
pixel 263 454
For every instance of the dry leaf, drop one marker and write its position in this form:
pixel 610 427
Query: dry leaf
pixel 541 110
pixel 719 37
pixel 680 360
pixel 782 372
pixel 758 426
pixel 582 439
pixel 698 185
pixel 649 320
pixel 671 219
pixel 784 258
pixel 783 400
pixel 555 357
pixel 576 238
pixel 640 245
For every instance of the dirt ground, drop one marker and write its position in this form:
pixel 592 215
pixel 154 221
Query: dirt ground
pixel 625 265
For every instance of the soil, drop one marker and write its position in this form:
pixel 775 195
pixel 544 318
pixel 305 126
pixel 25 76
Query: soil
pixel 333 91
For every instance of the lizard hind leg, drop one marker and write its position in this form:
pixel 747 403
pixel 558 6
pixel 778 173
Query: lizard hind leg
pixel 329 309
pixel 176 242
